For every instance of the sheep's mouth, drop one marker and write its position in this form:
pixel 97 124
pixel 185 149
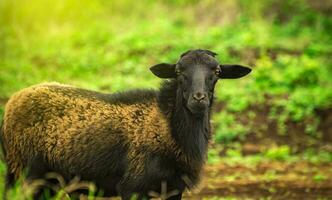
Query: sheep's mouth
pixel 197 108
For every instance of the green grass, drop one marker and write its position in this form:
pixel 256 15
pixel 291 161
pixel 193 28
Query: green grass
pixel 277 153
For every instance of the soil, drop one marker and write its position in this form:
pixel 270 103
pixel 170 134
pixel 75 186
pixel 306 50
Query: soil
pixel 273 180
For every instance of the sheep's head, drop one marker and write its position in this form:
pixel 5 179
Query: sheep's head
pixel 197 72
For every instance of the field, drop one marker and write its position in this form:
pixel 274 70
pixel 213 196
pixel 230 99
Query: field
pixel 272 130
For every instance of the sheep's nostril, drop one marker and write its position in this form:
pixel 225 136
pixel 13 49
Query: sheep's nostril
pixel 199 96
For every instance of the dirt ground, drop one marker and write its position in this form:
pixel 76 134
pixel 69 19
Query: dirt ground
pixel 269 180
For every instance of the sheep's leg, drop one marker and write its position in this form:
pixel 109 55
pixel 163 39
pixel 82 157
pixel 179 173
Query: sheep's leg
pixel 124 192
pixel 9 182
pixel 176 187
pixel 176 197
pixel 36 171
pixel 126 196
pixel 126 188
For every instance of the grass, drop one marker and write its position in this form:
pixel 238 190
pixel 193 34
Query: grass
pixel 277 153
pixel 94 45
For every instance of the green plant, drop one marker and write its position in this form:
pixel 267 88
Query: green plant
pixel 278 153
pixel 228 128
pixel 319 177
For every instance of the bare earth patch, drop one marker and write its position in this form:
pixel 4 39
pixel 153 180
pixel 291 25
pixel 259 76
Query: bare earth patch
pixel 275 180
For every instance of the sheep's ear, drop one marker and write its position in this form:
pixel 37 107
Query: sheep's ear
pixel 233 71
pixel 164 70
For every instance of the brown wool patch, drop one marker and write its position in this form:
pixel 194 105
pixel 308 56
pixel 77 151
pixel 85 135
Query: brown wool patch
pixel 62 124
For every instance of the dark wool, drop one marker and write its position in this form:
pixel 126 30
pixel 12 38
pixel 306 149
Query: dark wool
pixel 190 132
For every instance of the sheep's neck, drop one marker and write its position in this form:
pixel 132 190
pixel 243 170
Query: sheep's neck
pixel 190 132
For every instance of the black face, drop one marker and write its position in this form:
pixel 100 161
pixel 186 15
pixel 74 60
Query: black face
pixel 197 75
pixel 197 72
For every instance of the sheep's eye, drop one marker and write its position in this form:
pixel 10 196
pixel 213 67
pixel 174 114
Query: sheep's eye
pixel 217 71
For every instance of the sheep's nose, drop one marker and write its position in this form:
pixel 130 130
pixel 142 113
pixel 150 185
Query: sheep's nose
pixel 199 96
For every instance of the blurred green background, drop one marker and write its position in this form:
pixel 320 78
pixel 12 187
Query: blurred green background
pixel 281 113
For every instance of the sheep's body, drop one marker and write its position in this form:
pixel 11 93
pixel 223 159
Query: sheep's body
pixel 122 142
pixel 127 142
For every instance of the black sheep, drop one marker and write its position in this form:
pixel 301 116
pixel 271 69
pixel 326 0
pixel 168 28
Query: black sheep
pixel 125 143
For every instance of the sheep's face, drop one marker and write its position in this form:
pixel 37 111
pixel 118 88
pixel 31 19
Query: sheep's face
pixel 197 72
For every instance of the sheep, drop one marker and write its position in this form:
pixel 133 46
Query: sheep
pixel 126 143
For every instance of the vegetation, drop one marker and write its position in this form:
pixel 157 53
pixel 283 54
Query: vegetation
pixel 109 46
